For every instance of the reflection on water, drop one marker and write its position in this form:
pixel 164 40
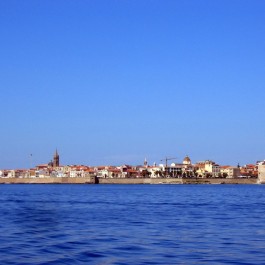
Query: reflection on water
pixel 134 224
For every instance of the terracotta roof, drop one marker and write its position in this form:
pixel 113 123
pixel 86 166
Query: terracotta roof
pixel 114 170
pixel 132 171
pixel 89 170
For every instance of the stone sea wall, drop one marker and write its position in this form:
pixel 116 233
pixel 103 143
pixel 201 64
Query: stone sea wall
pixel 221 181
pixel 93 180
pixel 140 181
pixel 177 181
pixel 50 180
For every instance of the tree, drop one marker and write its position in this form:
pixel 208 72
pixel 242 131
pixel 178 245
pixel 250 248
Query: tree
pixel 225 175
pixel 158 173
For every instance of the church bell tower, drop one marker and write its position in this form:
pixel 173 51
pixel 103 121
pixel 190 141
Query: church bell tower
pixel 56 160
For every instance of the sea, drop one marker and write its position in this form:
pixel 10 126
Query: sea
pixel 132 224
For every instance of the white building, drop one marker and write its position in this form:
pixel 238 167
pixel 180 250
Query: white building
pixel 261 172
pixel 3 174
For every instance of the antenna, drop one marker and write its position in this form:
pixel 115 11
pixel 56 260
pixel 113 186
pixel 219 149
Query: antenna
pixel 30 160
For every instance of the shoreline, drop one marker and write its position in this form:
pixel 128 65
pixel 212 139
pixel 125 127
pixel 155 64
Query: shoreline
pixel 129 181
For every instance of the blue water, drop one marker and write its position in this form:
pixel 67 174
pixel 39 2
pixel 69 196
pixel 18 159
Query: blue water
pixel 132 224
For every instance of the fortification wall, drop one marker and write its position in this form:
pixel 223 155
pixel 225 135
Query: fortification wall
pixel 50 180
pixel 176 181
pixel 139 181
pixel 261 169
pixel 93 180
pixel 220 181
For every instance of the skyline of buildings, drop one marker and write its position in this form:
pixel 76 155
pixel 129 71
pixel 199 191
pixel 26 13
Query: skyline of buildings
pixel 169 168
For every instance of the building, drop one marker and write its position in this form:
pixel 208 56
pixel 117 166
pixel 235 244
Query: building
pixel 250 170
pixel 56 159
pixel 79 172
pixel 186 161
pixel 229 172
pixel 175 170
pixel 207 169
pixel 212 168
pixel 261 172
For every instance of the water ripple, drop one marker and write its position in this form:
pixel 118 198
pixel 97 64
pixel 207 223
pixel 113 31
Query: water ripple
pixel 134 224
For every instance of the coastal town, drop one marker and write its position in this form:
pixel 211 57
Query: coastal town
pixel 167 169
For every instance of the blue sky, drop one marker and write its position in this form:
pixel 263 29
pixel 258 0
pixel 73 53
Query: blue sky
pixel 113 82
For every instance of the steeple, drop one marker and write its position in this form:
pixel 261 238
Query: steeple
pixel 56 159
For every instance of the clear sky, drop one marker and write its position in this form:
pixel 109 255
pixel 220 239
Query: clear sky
pixel 115 81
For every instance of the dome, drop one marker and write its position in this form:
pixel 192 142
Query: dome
pixel 186 160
